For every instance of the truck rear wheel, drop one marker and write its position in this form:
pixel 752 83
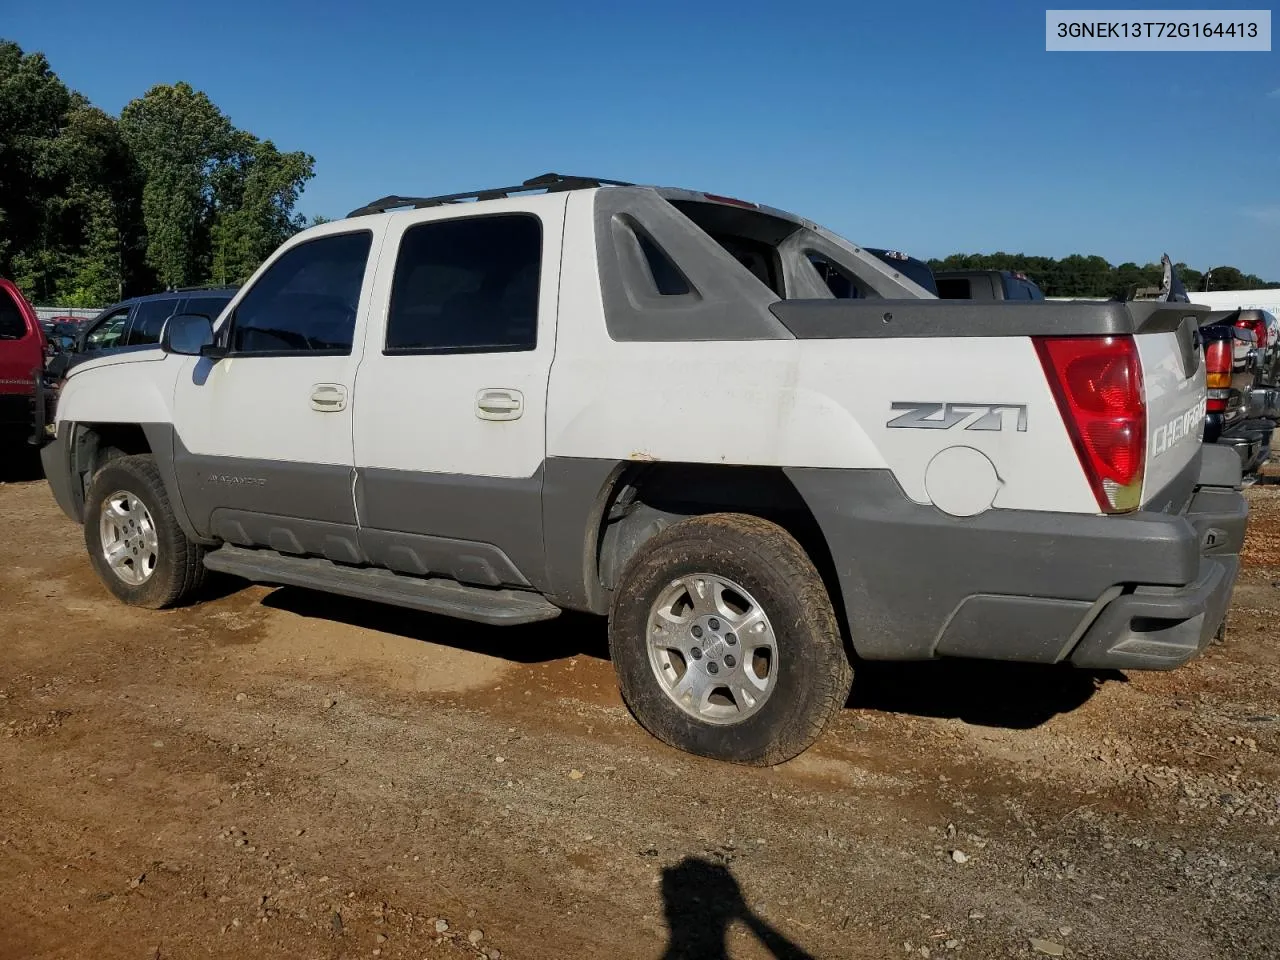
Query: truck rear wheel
pixel 135 543
pixel 725 642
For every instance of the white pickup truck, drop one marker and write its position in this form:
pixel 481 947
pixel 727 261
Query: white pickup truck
pixel 648 403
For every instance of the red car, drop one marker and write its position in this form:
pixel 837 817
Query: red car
pixel 22 352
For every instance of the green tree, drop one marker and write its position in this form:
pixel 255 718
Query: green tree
pixel 177 135
pixel 33 107
pixel 255 194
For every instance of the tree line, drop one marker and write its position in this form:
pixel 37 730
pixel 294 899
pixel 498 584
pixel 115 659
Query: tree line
pixel 1092 276
pixel 94 207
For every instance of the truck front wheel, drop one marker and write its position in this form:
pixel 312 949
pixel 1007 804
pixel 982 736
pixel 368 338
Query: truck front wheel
pixel 725 642
pixel 135 543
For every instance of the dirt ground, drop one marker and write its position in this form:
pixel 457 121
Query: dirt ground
pixel 274 773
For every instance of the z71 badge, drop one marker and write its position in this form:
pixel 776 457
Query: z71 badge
pixel 944 416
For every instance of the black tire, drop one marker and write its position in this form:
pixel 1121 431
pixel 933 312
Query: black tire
pixel 179 566
pixel 813 672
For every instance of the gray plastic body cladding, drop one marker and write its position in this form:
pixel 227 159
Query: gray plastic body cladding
pixel 729 303
pixel 1033 629
pixel 279 488
pixel 466 561
pixel 877 319
pixel 1159 628
pixel 905 568
pixel 162 439
pixel 575 496
pixel 289 535
pixel 502 512
pixel 55 457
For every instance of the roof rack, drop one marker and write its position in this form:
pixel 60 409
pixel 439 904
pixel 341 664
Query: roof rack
pixel 548 182
pixel 202 286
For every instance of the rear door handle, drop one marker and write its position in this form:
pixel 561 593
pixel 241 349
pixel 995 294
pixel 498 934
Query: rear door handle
pixel 499 403
pixel 328 397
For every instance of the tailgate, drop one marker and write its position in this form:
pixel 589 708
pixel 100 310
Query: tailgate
pixel 1173 379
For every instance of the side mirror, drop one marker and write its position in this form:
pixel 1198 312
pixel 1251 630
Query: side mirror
pixel 186 334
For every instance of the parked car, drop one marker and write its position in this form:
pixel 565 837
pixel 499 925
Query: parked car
pixel 647 403
pixel 62 333
pixel 22 354
pixel 135 323
pixel 986 285
pixel 1242 361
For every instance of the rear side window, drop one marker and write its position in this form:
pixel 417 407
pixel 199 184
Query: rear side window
pixel 306 301
pixel 149 320
pixel 667 278
pixel 954 288
pixel 13 325
pixel 466 286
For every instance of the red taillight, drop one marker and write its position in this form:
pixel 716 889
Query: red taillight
pixel 1097 382
pixel 1217 364
pixel 1259 328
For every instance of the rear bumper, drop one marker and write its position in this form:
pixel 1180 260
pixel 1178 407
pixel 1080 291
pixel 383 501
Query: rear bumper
pixel 1145 590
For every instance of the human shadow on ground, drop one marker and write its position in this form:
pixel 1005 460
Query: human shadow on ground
pixel 701 900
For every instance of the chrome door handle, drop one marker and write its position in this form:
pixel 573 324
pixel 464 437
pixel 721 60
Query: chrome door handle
pixel 328 397
pixel 499 403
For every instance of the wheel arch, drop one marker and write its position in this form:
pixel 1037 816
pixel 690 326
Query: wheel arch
pixel 95 443
pixel 638 500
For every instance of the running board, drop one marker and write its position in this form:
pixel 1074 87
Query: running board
pixel 435 595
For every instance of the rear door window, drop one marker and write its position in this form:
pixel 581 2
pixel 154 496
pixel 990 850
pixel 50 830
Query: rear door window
pixel 466 286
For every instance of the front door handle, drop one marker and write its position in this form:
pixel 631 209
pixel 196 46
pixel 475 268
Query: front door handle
pixel 499 403
pixel 328 397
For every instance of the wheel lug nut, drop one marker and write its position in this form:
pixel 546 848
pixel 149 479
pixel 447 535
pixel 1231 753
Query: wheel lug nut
pixel 696 653
pixel 730 639
pixel 713 623
pixel 729 661
pixel 712 667
pixel 697 632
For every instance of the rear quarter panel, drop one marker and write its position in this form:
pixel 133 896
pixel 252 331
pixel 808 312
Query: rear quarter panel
pixel 800 403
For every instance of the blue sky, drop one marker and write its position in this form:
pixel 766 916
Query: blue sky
pixel 933 127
